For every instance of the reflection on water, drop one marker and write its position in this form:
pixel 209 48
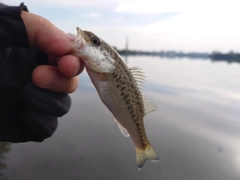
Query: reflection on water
pixel 4 148
pixel 196 129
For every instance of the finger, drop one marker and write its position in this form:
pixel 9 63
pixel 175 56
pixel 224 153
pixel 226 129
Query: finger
pixel 45 36
pixel 70 65
pixel 48 77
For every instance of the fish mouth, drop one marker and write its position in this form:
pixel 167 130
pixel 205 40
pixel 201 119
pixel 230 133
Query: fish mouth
pixel 80 43
pixel 80 33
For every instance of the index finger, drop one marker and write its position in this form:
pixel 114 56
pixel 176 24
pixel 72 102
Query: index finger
pixel 45 36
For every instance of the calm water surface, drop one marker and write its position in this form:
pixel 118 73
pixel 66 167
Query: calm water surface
pixel 195 131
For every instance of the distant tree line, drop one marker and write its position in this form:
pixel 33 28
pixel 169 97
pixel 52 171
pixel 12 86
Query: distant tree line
pixel 230 57
pixel 169 54
pixel 214 56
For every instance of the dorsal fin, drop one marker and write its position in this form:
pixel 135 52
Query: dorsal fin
pixel 140 78
pixel 148 106
pixel 138 75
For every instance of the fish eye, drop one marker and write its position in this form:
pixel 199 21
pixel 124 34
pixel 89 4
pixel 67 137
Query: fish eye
pixel 95 41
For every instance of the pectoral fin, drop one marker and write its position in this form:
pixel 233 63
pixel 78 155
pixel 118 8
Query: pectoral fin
pixel 122 129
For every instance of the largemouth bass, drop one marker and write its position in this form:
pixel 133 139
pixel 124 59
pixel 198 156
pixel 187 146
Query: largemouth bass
pixel 119 88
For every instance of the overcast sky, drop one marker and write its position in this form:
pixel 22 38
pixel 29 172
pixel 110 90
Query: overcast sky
pixel 186 25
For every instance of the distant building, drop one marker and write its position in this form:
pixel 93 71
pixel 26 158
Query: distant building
pixel 126 47
pixel 126 51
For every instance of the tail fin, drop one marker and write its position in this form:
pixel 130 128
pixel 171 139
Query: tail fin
pixel 145 155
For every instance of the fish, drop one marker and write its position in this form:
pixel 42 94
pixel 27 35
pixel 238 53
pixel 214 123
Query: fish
pixel 119 88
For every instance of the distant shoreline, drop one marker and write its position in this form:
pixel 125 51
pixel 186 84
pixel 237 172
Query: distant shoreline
pixel 215 56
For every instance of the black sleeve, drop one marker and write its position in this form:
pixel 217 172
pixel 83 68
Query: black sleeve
pixel 12 29
pixel 24 108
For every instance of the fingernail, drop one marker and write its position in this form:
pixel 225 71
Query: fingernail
pixel 49 78
pixel 76 66
pixel 71 37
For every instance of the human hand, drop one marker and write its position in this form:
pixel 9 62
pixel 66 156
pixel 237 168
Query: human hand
pixel 29 112
pixel 57 44
pixel 59 76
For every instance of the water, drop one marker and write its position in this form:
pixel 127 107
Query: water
pixel 195 131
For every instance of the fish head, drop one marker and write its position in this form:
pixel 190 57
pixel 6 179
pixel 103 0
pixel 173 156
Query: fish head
pixel 96 54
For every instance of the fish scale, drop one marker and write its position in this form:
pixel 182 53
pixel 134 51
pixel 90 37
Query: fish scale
pixel 119 88
pixel 130 96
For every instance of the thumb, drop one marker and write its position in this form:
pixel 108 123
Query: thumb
pixel 45 36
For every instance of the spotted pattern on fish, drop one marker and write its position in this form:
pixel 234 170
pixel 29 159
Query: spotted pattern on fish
pixel 120 89
pixel 132 96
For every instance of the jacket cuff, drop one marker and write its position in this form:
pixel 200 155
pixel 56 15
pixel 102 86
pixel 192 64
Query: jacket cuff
pixel 12 29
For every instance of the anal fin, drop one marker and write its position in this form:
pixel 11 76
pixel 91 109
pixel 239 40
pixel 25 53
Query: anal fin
pixel 122 129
